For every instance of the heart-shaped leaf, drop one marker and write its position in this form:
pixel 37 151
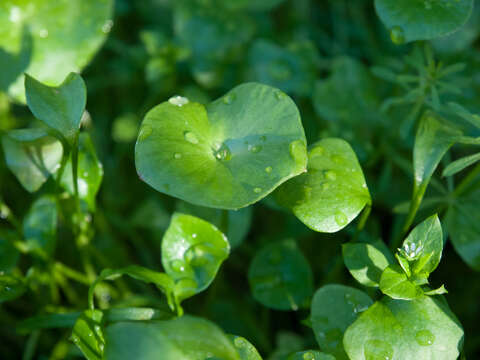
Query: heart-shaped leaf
pixel 229 154
pixel 192 252
pixel 333 191
pixel 424 328
pixel 410 20
pixel 32 155
pixel 65 35
pixel 280 277
pixel 334 308
pixel 60 107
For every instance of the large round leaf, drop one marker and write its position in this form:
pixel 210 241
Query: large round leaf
pixel 65 33
pixel 410 20
pixel 424 328
pixel 333 191
pixel 229 154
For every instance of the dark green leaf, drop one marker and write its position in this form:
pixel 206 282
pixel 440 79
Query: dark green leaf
pixel 11 287
pixel 460 164
pixel 8 252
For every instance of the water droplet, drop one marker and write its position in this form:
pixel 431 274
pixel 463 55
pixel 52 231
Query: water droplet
pixel 177 156
pixel 177 265
pixel 377 350
pixel 254 148
pixel 43 33
pixel 198 254
pixel 222 152
pixel 107 26
pixel 178 100
pixel 190 137
pixel 298 152
pixel 257 190
pixel 239 342
pixel 280 95
pixel 101 346
pixel 145 132
pixel 268 169
pixel 228 99
pixel 308 356
pixel 424 337
pixel 397 35
pixel 340 218
pixel 331 175
pixel 194 235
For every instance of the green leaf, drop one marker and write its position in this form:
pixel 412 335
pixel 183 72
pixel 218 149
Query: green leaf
pixel 332 192
pixel 15 64
pixel 32 156
pixel 245 349
pixel 366 262
pixel 280 277
pixel 411 20
pixel 439 291
pixel 90 172
pixel 334 308
pixel 395 283
pixel 423 247
pixel 60 107
pixel 11 287
pixel 460 164
pixel 184 338
pixel 161 280
pixel 87 334
pixel 229 154
pixel 424 328
pixel 40 226
pixel 64 37
pixel 463 225
pixel 192 252
pixel 310 355
pixel 8 252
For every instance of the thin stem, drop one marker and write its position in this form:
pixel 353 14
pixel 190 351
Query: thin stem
pixel 31 346
pixel 72 274
pixel 467 180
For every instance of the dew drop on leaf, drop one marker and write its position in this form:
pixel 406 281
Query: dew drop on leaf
pixel 268 169
pixel 424 337
pixel 257 190
pixel 331 175
pixel 178 100
pixel 340 218
pixel 239 342
pixel 145 132
pixel 222 153
pixel 197 255
pixel 397 35
pixel 228 99
pixel 177 265
pixel 378 350
pixel 280 95
pixel 177 156
pixel 254 148
pixel 190 137
pixel 308 356
pixel 297 151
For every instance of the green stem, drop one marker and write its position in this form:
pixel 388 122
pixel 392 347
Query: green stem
pixel 467 180
pixel 72 274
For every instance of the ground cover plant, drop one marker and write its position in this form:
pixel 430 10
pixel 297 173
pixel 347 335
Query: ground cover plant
pixel 239 179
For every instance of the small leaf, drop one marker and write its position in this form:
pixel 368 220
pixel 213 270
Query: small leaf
pixel 310 355
pixel 60 107
pixel 410 20
pixel 192 252
pixel 183 338
pixel 440 291
pixel 89 173
pixel 424 328
pixel 280 277
pixel 423 247
pixel 395 283
pixel 333 191
pixel 11 287
pixel 245 349
pixel 334 308
pixel 366 262
pixel 32 156
pixel 40 226
pixel 460 164
pixel 87 334
pixel 229 154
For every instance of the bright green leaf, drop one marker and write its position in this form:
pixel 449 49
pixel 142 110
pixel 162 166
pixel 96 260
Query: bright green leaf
pixel 280 277
pixel 366 262
pixel 60 107
pixel 40 226
pixel 32 156
pixel 192 252
pixel 65 36
pixel 229 154
pixel 87 334
pixel 332 192
pixel 245 349
pixel 395 283
pixel 410 20
pixel 334 308
pixel 310 355
pixel 424 328
pixel 183 338
pixel 460 164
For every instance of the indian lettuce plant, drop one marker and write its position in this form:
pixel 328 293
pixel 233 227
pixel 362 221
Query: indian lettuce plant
pixel 282 180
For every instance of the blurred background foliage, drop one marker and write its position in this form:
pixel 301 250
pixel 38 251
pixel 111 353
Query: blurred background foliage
pixel 336 60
